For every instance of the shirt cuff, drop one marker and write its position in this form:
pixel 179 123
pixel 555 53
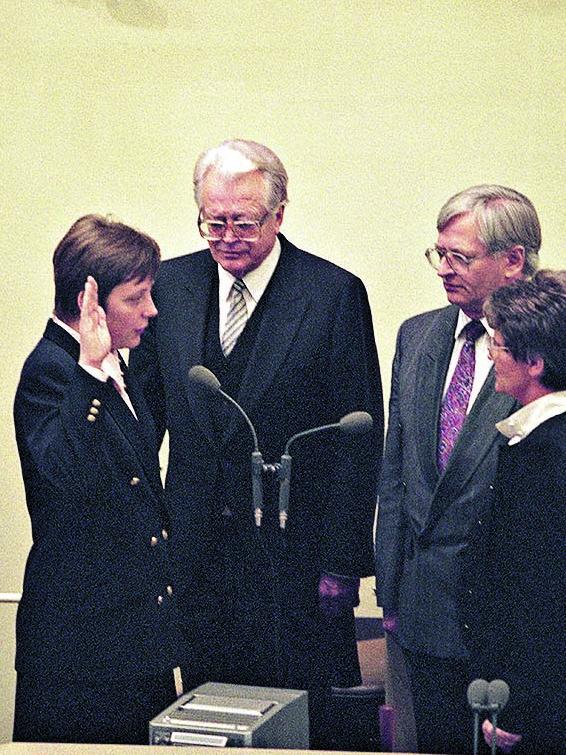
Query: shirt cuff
pixel 95 372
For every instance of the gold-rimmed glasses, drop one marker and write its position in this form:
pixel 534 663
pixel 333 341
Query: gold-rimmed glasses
pixel 213 229
pixel 458 261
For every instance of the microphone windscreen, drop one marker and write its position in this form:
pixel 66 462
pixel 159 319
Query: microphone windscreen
pixel 200 375
pixel 356 422
pixel 498 693
pixel 477 692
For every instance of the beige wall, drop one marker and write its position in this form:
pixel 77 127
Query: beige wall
pixel 380 110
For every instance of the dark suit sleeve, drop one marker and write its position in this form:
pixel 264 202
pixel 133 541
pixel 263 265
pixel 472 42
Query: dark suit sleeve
pixel 68 436
pixel 391 523
pixel 354 383
pixel 53 403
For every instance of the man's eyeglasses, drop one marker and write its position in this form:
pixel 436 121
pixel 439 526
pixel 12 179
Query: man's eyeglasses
pixel 244 230
pixel 494 347
pixel 459 262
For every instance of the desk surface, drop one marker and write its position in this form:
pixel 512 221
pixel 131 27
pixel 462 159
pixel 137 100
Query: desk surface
pixel 24 748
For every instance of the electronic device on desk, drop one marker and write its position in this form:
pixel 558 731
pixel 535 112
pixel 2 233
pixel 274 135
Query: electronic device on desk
pixel 232 715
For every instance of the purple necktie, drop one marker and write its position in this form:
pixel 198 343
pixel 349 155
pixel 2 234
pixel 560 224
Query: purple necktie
pixel 455 404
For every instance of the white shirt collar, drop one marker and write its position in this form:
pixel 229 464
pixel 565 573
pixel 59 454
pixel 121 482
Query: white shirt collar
pixel 256 281
pixel 67 328
pixel 529 417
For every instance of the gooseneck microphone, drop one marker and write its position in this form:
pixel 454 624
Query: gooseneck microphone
pixel 477 694
pixel 487 698
pixel 355 423
pixel 203 377
pixel 477 700
pixel 497 697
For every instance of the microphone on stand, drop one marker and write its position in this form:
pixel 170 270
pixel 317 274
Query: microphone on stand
pixel 477 700
pixel 497 697
pixel 487 698
pixel 355 423
pixel 203 377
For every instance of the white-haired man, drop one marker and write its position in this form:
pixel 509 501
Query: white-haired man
pixel 290 336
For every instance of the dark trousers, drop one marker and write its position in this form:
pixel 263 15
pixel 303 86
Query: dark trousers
pixel 89 709
pixel 438 687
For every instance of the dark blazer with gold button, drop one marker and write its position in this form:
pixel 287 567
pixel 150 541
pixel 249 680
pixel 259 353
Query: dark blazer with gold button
pixel 95 596
pixel 426 520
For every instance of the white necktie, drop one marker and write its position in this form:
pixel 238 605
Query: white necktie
pixel 237 317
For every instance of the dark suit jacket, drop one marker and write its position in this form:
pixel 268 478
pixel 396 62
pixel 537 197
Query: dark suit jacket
pixel 425 519
pixel 90 603
pixel 314 359
pixel 516 605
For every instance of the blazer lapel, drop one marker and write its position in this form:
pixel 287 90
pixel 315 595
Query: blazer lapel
pixel 140 432
pixel 432 369
pixel 190 330
pixel 286 309
pixel 476 440
pixel 478 434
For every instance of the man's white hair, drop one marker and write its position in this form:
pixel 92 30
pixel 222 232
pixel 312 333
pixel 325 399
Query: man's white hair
pixel 234 157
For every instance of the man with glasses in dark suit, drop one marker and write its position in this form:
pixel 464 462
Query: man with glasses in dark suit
pixel 441 451
pixel 289 335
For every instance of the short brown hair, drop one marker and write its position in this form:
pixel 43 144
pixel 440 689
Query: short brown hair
pixel 531 317
pixel 113 253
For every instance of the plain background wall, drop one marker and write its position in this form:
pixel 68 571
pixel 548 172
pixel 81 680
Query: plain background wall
pixel 380 111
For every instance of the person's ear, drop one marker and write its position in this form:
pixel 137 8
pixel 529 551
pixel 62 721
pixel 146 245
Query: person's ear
pixel 536 367
pixel 80 298
pixel 514 262
pixel 279 215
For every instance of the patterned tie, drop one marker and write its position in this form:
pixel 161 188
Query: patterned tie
pixel 455 404
pixel 237 317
